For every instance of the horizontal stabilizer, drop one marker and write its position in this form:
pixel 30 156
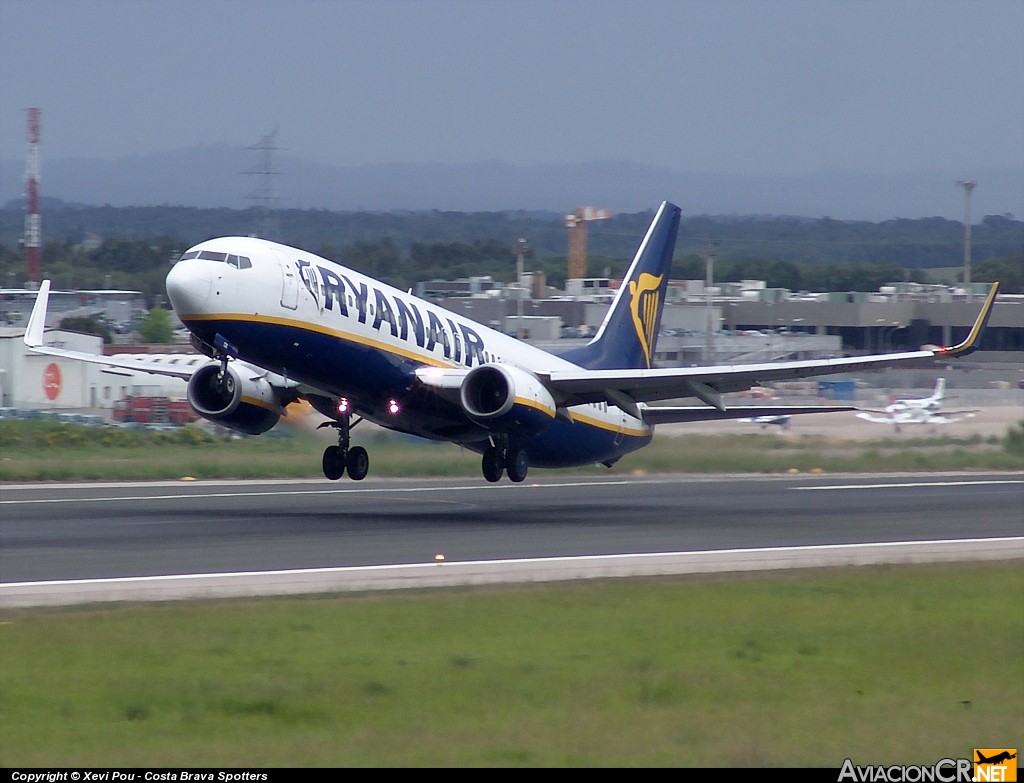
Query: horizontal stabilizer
pixel 675 415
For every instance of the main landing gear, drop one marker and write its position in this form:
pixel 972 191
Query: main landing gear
pixel 338 459
pixel 502 457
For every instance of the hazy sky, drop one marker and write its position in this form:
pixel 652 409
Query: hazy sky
pixel 736 86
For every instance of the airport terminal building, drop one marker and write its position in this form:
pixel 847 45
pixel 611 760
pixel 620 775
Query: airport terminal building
pixel 749 323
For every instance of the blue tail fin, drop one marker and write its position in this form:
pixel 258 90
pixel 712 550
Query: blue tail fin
pixel 627 337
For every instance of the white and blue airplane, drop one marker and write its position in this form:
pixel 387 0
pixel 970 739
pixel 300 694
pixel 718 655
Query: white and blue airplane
pixel 923 410
pixel 283 325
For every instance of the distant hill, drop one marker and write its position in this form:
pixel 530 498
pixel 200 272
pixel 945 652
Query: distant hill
pixel 223 176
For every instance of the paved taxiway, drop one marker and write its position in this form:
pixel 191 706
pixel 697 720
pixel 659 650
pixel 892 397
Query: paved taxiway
pixel 68 543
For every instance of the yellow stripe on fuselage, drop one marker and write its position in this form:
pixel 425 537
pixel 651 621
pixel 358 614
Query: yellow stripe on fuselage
pixel 590 421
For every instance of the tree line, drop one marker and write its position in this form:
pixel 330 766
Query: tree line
pixel 403 249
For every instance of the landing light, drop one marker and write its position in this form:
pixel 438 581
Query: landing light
pixel 393 407
pixel 343 405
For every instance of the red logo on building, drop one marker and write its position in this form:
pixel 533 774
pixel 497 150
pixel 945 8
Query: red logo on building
pixel 51 381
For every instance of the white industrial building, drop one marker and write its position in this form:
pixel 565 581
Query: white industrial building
pixel 32 381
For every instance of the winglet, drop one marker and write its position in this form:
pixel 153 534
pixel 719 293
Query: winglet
pixel 970 343
pixel 37 321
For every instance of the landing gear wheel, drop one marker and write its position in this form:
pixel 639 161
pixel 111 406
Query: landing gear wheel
pixel 517 465
pixel 358 462
pixel 334 463
pixel 338 459
pixel 491 464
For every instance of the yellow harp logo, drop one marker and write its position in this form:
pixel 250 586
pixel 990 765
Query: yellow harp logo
pixel 644 302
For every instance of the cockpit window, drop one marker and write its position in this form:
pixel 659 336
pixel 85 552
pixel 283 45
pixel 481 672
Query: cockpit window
pixel 238 262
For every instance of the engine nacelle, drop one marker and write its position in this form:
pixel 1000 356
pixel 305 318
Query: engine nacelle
pixel 240 403
pixel 504 398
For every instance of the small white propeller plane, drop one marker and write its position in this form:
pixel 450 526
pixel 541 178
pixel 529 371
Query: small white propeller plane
pixel 924 410
pixel 282 325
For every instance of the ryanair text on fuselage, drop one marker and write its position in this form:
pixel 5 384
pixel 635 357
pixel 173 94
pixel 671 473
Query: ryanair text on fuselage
pixel 461 344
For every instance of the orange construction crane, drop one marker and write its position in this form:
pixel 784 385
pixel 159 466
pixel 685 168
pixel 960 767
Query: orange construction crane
pixel 576 222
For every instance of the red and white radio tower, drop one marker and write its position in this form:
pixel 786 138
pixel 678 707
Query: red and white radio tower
pixel 33 225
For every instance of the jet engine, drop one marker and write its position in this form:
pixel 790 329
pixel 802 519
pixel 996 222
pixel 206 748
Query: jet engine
pixel 504 398
pixel 240 403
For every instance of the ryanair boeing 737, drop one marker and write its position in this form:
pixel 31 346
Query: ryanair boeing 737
pixel 282 325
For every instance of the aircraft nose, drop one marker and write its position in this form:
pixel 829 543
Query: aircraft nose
pixel 188 286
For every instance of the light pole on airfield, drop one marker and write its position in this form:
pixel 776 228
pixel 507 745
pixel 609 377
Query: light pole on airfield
pixel 968 186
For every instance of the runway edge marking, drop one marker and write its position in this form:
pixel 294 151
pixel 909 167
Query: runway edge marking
pixel 454 573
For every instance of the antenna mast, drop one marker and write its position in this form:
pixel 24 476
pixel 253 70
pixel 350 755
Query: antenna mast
pixel 33 223
pixel 265 193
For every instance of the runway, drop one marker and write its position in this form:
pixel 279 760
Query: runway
pixel 72 543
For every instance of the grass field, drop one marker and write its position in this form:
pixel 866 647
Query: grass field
pixel 49 451
pixel 882 665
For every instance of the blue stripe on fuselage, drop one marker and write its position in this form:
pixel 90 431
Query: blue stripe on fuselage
pixel 370 375
pixel 329 361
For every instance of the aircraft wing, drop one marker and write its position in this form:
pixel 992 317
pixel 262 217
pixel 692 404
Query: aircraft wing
pixel 34 340
pixel 154 367
pixel 878 419
pixel 626 388
pixel 949 418
pixel 169 365
pixel 447 383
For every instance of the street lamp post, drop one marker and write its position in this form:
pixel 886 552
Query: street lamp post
pixel 968 186
pixel 709 330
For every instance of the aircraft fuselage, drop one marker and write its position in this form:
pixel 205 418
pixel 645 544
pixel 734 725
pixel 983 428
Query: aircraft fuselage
pixel 320 324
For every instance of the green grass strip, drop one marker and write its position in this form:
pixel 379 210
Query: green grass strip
pixel 50 451
pixel 883 665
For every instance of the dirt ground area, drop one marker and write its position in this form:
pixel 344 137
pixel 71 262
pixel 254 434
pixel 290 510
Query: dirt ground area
pixel 990 420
